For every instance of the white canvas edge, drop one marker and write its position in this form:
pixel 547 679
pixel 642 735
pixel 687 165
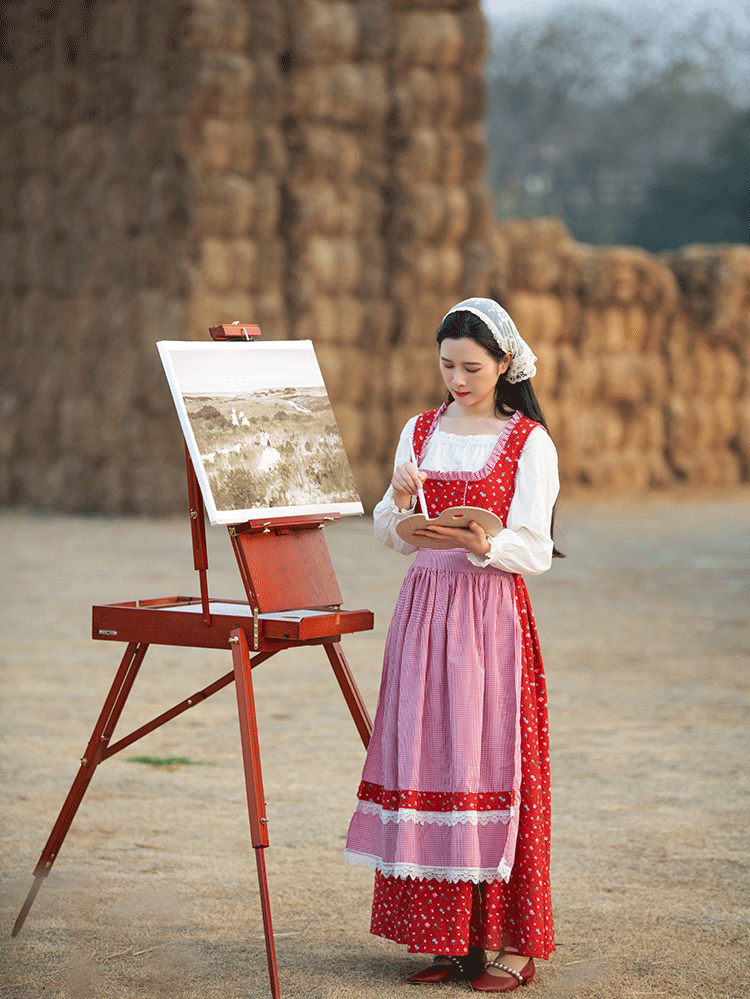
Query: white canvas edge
pixel 227 517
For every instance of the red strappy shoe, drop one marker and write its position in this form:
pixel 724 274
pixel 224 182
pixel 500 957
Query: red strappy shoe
pixel 497 983
pixel 459 969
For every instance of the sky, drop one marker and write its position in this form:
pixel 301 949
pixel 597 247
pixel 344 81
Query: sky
pixel 517 9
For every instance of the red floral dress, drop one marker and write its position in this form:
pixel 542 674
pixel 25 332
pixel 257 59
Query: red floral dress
pixel 453 810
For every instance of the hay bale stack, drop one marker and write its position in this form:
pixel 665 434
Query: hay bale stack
pixel 334 213
pixel 232 137
pixel 96 238
pixel 627 298
pixel 439 228
pixel 315 167
pixel 709 408
pixel 627 343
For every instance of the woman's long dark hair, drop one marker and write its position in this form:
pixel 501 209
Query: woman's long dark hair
pixel 509 396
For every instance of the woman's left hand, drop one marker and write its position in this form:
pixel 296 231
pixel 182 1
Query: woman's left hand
pixel 473 540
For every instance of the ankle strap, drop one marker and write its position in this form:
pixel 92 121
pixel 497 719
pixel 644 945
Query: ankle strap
pixel 504 967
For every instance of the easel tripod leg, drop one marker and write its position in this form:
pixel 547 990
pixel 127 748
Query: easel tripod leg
pixel 350 690
pixel 105 726
pixel 256 804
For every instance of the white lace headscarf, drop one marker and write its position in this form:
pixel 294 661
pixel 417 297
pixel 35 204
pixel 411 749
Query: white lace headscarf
pixel 504 331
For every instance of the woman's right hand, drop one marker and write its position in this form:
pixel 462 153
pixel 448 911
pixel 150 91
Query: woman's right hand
pixel 406 482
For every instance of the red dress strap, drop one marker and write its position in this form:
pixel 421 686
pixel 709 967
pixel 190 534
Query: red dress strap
pixel 424 427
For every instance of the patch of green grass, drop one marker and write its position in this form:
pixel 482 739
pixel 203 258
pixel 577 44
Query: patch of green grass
pixel 168 761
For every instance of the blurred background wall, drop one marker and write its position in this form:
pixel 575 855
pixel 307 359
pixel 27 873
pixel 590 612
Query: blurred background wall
pixel 318 167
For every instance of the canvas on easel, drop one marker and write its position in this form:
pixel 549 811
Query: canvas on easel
pixel 260 429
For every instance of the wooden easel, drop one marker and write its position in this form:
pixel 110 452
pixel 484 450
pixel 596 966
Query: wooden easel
pixel 293 600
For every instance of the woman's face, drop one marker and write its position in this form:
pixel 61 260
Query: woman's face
pixel 470 374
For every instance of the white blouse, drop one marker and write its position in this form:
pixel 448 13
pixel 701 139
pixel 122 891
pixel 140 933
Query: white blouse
pixel 524 545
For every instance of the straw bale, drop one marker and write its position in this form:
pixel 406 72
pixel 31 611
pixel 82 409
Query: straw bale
pixel 323 31
pixel 452 150
pixel 731 375
pixel 714 283
pixel 376 28
pixel 539 317
pixel 615 470
pixel 646 430
pixel 377 325
pixel 322 151
pixel 429 212
pixel 461 209
pixel 419 317
pixel 566 424
pixel 263 263
pixel 268 27
pixel 218 146
pixel 346 371
pixel 267 206
pixel 211 24
pixel 498 275
pixel 579 374
pixel 742 415
pixel 217 264
pixel 535 269
pixel 322 207
pixel 417 156
pixel 543 255
pixel 479 271
pixel 334 264
pixel 480 207
pixel 720 469
pixel 424 98
pixel 545 380
pixel 691 428
pixel 473 97
pixel 621 377
pixel 351 423
pixel 655 377
pixel 474 153
pixel 371 478
pixel 725 422
pixel 270 314
pixel 374 278
pixel 474 30
pixel 270 152
pixel 622 275
pixel 702 359
pixel 226 205
pixel 439 267
pixel 682 376
pixel 269 87
pixel 415 375
pixel 613 329
pixel 336 320
pixel 344 93
pixel 224 87
pixel 433 39
pixel 636 326
pixel 657 330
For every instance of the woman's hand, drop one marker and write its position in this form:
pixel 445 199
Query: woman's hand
pixel 406 482
pixel 474 540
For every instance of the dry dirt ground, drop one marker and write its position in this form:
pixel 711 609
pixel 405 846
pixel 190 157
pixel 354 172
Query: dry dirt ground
pixel 644 629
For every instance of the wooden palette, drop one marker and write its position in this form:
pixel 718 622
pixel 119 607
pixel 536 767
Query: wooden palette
pixel 454 516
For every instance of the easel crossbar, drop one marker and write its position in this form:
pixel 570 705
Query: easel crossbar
pixel 178 709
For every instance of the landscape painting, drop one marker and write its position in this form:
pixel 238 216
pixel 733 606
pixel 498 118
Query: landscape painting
pixel 260 429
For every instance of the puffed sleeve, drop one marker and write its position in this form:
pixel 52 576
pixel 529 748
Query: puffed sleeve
pixel 525 545
pixel 386 514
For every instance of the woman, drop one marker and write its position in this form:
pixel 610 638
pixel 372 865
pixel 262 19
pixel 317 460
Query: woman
pixel 453 808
